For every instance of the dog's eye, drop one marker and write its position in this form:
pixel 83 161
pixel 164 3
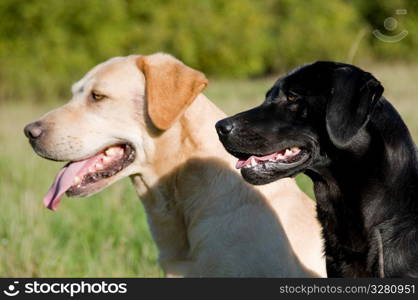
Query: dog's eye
pixel 97 96
pixel 292 97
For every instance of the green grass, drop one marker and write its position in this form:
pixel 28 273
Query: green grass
pixel 107 234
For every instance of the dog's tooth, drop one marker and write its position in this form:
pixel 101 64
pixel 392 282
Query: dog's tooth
pixel 288 152
pixel 295 149
pixel 253 162
pixel 77 180
pixel 92 169
pixel 111 151
pixel 107 159
pixel 99 166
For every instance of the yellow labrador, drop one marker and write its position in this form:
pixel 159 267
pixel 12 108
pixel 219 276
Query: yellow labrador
pixel 145 117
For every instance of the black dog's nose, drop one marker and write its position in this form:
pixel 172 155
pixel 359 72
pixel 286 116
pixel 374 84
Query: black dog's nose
pixel 33 130
pixel 224 127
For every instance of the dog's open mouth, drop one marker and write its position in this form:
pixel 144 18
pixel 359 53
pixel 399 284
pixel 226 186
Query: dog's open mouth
pixel 262 169
pixel 78 177
pixel 286 157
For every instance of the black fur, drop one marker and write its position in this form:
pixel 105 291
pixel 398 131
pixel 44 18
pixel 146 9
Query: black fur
pixel 359 154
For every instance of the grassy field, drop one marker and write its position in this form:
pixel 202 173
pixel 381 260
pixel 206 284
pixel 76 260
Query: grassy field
pixel 107 234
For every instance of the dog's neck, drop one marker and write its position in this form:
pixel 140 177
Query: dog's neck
pixel 159 184
pixel 371 188
pixel 186 168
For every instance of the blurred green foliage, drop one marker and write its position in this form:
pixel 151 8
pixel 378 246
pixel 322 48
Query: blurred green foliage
pixel 45 45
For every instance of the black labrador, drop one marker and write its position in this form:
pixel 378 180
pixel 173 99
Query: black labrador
pixel 330 121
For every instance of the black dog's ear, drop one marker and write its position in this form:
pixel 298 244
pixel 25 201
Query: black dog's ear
pixel 353 96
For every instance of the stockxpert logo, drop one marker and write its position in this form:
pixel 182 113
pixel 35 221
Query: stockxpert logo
pixel 64 288
pixel 12 290
pixel 391 25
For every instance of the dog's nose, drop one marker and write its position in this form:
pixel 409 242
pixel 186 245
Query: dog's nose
pixel 33 130
pixel 224 127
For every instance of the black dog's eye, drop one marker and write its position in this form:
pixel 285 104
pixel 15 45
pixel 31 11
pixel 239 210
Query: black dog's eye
pixel 96 96
pixel 292 97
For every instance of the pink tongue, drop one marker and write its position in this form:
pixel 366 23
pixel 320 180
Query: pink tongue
pixel 64 180
pixel 241 163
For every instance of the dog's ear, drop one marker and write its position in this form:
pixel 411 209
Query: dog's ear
pixel 170 87
pixel 353 96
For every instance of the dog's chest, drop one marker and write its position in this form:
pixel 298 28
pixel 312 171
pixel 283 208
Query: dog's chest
pixel 346 240
pixel 347 256
pixel 347 252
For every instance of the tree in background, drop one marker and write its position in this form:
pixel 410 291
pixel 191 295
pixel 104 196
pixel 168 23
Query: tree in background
pixel 45 45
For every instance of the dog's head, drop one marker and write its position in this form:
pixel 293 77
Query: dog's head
pixel 309 114
pixel 108 129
